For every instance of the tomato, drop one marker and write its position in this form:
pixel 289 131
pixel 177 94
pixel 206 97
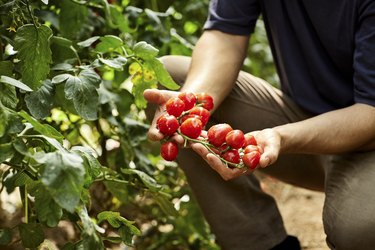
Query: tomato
pixel 169 150
pixel 189 99
pixel 250 140
pixel 217 133
pixel 175 106
pixel 251 159
pixel 167 124
pixel 206 100
pixel 203 113
pixel 232 155
pixel 251 148
pixel 191 127
pixel 235 139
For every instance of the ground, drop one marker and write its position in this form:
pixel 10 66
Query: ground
pixel 302 212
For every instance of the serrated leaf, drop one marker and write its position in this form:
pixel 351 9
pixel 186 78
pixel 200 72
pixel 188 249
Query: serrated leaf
pixel 5 236
pixel 88 42
pixel 44 129
pixel 82 91
pixel 147 180
pixel 31 234
pixel 40 101
pixel 162 74
pixel 108 43
pixel 34 52
pixel 117 63
pixel 145 50
pixel 47 210
pixel 63 177
pixel 8 95
pixel 72 18
pixel 15 83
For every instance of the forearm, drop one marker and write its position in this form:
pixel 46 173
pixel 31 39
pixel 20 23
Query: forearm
pixel 216 61
pixel 348 129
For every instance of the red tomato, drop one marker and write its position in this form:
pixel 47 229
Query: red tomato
pixel 167 124
pixel 169 151
pixel 203 113
pixel 175 106
pixel 217 133
pixel 232 156
pixel 206 100
pixel 250 140
pixel 235 139
pixel 251 159
pixel 191 127
pixel 189 99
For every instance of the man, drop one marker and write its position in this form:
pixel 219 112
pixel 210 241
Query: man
pixel 317 132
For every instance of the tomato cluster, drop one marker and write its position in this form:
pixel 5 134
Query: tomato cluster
pixel 188 114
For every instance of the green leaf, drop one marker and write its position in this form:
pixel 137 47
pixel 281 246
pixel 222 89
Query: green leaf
pixel 108 43
pixel 147 180
pixel 61 41
pixel 6 68
pixel 6 151
pixel 40 101
pixel 82 90
pixel 126 228
pixel 139 86
pixel 5 236
pixel 88 42
pixel 34 52
pixel 15 83
pixel 45 2
pixel 162 74
pixel 118 190
pixel 8 96
pixel 91 240
pixel 44 129
pixel 31 234
pixel 61 78
pixel 165 205
pixel 117 63
pixel 63 177
pixel 47 210
pixel 72 17
pixel 145 50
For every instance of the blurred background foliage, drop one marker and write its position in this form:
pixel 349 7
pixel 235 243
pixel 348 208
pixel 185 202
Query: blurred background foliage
pixel 162 207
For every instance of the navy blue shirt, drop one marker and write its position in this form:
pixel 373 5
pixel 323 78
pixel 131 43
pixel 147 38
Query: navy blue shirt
pixel 324 50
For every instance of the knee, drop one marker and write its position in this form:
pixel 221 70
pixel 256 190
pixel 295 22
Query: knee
pixel 350 231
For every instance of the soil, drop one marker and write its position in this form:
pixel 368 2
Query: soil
pixel 301 210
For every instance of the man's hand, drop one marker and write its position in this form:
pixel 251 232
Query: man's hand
pixel 268 140
pixel 159 97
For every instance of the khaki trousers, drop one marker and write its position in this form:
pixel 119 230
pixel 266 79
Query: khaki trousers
pixel 240 214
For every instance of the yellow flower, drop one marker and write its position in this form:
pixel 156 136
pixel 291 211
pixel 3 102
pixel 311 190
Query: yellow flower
pixel 11 29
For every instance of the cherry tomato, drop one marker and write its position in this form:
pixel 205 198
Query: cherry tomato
pixel 187 116
pixel 206 100
pixel 191 127
pixel 232 155
pixel 235 139
pixel 217 133
pixel 251 148
pixel 175 106
pixel 203 113
pixel 189 99
pixel 250 140
pixel 169 150
pixel 167 124
pixel 251 159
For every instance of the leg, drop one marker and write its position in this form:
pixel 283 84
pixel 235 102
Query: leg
pixel 240 214
pixel 349 209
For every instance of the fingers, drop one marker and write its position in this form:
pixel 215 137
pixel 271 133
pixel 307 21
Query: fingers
pixel 215 163
pixel 158 96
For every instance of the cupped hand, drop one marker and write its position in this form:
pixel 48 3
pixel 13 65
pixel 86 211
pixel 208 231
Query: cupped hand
pixel 159 97
pixel 268 140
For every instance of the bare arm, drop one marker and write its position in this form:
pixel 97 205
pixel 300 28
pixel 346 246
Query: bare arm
pixel 216 62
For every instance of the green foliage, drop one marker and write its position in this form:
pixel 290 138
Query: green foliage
pixel 72 121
